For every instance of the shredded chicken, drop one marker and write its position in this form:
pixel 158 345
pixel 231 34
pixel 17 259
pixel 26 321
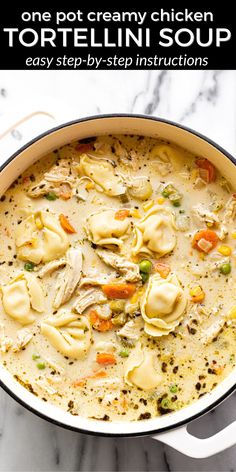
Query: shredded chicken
pixel 69 278
pixel 96 280
pixel 212 332
pixel 24 336
pixel 121 152
pixel 59 179
pixel 204 215
pixel 47 269
pixel 197 313
pixel 88 298
pixel 228 217
pixel 131 329
pixel 5 341
pixel 121 264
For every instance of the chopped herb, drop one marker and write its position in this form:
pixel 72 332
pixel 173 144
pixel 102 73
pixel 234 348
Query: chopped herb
pixel 50 196
pixel 164 367
pixel 29 266
pixel 41 365
pixel 173 388
pixel 124 353
pixel 232 358
pixel 145 416
pixel 35 357
pixel 165 404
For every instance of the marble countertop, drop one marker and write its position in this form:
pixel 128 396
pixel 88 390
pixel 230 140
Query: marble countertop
pixel 203 100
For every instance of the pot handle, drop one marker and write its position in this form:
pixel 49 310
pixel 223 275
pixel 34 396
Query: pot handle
pixel 17 129
pixel 184 442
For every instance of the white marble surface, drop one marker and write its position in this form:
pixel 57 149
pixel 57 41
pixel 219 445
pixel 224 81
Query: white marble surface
pixel 204 100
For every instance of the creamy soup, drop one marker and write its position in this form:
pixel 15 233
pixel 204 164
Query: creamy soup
pixel 117 267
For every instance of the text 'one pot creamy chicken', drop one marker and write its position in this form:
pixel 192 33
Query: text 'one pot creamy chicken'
pixel 118 267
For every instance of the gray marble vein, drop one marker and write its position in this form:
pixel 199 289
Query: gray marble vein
pixel 203 100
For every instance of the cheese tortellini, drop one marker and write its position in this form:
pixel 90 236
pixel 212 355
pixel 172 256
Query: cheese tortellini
pixel 102 172
pixel 104 229
pixel 69 333
pixel 155 233
pixel 162 305
pixel 22 297
pixel 40 238
pixel 140 370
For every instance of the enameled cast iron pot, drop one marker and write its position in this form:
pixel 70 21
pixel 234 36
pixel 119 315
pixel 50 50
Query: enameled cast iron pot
pixel 171 428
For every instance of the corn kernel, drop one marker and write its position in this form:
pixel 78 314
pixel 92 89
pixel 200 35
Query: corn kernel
pixel 224 250
pixel 209 224
pixel 197 294
pixel 232 313
pixel 136 296
pixel 234 235
pixel 135 213
pixel 148 205
pixel 90 185
pixel 160 200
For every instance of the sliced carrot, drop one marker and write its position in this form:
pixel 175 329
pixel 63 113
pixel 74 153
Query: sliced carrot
pixel 106 358
pixel 84 147
pixel 122 214
pixel 82 381
pixel 65 196
pixel 98 323
pixel 208 235
pixel 119 290
pixel 68 228
pixel 163 269
pixel 210 174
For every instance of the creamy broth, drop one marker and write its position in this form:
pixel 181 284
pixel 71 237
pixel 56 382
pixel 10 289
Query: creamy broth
pixel 117 269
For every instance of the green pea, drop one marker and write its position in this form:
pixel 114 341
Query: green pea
pixel 35 357
pixel 173 388
pixel 144 277
pixel 165 404
pixel 41 365
pixel 124 353
pixel 145 266
pixel 29 266
pixel 225 269
pixel 50 196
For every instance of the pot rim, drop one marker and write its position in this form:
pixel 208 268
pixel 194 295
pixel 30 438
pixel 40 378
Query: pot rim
pixel 78 429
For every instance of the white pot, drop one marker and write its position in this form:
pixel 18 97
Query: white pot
pixel 170 428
